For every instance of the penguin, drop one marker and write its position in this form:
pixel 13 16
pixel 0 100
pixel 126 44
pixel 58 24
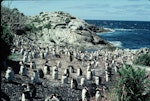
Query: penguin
pixel 71 69
pixel 41 55
pixel 29 87
pixel 25 58
pixel 79 72
pixel 66 72
pixel 85 94
pixel 9 74
pixel 98 96
pixel 32 65
pixel 98 80
pixel 74 83
pixel 46 63
pixel 23 70
pixel 45 54
pixel 58 64
pixel 89 75
pixel 106 76
pixel 55 73
pixel 35 78
pixel 26 96
pixel 46 69
pixel 83 81
pixel 21 51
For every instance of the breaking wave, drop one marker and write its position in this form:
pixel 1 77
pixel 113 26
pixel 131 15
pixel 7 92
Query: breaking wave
pixel 116 43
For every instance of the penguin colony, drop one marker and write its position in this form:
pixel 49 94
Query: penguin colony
pixel 82 69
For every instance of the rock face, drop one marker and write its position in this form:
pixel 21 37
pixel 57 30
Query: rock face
pixel 63 29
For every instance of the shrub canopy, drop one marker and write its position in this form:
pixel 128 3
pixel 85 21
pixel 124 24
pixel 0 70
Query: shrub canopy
pixel 132 84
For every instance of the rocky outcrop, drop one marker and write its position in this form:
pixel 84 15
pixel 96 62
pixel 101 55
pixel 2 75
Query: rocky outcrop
pixel 62 28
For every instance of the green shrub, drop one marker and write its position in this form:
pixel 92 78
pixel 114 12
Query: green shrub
pixel 13 56
pixel 6 34
pixel 143 59
pixel 14 19
pixel 6 38
pixel 133 84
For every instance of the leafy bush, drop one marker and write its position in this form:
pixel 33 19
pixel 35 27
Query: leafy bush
pixel 6 34
pixel 12 22
pixel 13 56
pixel 133 85
pixel 6 38
pixel 143 59
pixel 13 18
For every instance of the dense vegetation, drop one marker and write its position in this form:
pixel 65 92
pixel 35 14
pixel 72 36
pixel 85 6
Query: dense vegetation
pixel 12 22
pixel 14 19
pixel 132 84
pixel 143 59
pixel 6 38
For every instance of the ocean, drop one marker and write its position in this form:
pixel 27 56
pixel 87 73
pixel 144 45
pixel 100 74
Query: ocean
pixel 125 34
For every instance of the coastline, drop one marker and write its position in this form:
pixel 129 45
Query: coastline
pixel 60 44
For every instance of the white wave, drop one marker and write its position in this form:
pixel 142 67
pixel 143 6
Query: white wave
pixel 105 32
pixel 110 31
pixel 124 29
pixel 116 43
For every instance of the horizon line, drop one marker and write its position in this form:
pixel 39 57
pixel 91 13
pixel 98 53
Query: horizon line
pixel 119 20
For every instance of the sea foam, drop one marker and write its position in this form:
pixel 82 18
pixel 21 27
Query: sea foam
pixel 116 43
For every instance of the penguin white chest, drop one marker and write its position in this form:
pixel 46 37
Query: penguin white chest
pixel 9 75
pixel 98 96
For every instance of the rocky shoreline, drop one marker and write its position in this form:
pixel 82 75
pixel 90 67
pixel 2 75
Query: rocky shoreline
pixel 61 28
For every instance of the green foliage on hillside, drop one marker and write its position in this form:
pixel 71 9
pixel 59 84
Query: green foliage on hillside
pixel 6 34
pixel 12 22
pixel 13 18
pixel 6 38
pixel 132 84
pixel 143 59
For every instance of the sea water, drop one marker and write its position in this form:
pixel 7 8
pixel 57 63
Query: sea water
pixel 126 34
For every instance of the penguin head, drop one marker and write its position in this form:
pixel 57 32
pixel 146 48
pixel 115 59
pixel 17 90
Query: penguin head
pixel 86 88
pixel 98 89
pixel 21 63
pixel 9 68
